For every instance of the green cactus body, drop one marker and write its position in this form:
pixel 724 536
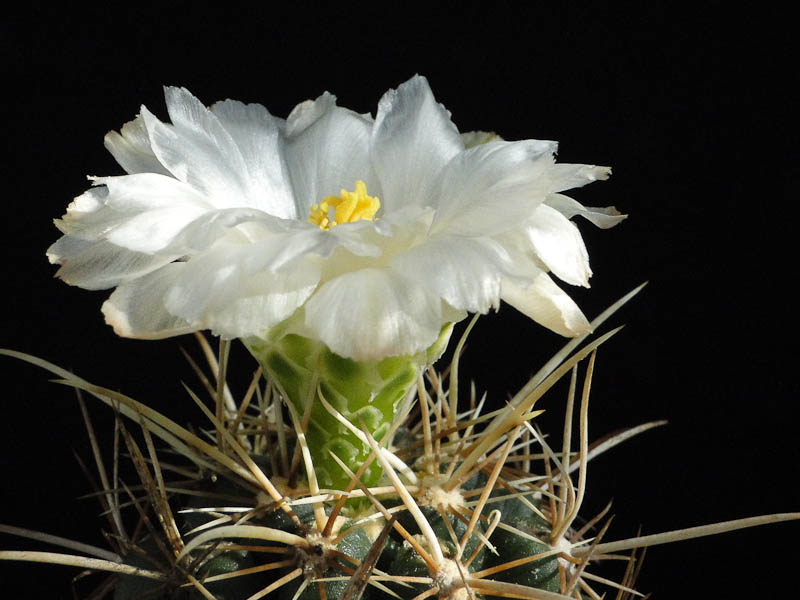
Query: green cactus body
pixel 541 574
pixel 298 549
pixel 397 558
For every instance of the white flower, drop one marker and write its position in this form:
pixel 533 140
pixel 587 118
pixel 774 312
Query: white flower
pixel 211 228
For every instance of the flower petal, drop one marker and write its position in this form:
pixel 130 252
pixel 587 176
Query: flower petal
pixel 199 151
pixel 373 313
pixel 97 265
pixel 80 211
pixel 544 302
pixel 491 188
pixel 248 223
pixel 131 148
pixel 219 291
pixel 565 176
pixel 412 140
pixel 327 150
pixel 136 308
pixel 604 217
pixel 558 243
pixel 255 315
pixel 464 272
pixel 143 212
pixel 209 230
pixel 256 134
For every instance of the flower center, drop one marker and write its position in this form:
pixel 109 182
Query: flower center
pixel 348 207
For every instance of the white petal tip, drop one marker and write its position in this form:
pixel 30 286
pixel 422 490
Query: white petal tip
pixel 602 173
pixel 117 319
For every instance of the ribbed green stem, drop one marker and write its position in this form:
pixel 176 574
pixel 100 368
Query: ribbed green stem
pixel 362 391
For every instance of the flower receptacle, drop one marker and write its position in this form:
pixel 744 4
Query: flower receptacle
pixel 327 389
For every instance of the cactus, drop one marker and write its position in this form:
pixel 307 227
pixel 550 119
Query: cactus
pixel 351 468
pixel 443 500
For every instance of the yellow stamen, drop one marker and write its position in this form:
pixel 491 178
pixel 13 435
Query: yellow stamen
pixel 349 207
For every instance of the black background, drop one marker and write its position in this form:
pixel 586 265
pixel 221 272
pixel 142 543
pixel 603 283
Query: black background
pixel 691 109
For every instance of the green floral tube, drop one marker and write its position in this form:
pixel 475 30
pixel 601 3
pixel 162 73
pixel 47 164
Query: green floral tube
pixel 368 392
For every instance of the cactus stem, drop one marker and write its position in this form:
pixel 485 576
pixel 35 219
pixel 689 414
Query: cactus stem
pixel 449 526
pixel 460 497
pixel 523 498
pixel 396 462
pixel 358 582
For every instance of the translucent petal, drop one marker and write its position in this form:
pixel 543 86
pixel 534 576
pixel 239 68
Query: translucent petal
pixel 412 140
pixel 464 272
pixel 565 176
pixel 327 150
pixel 202 232
pixel 136 308
pixel 220 287
pixel 604 217
pixel 199 151
pixel 142 212
pixel 80 209
pixel 256 134
pixel 264 300
pixel 131 149
pixel 544 302
pixel 202 155
pixel 144 191
pixel 558 243
pixel 491 188
pixel 373 313
pixel 97 265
